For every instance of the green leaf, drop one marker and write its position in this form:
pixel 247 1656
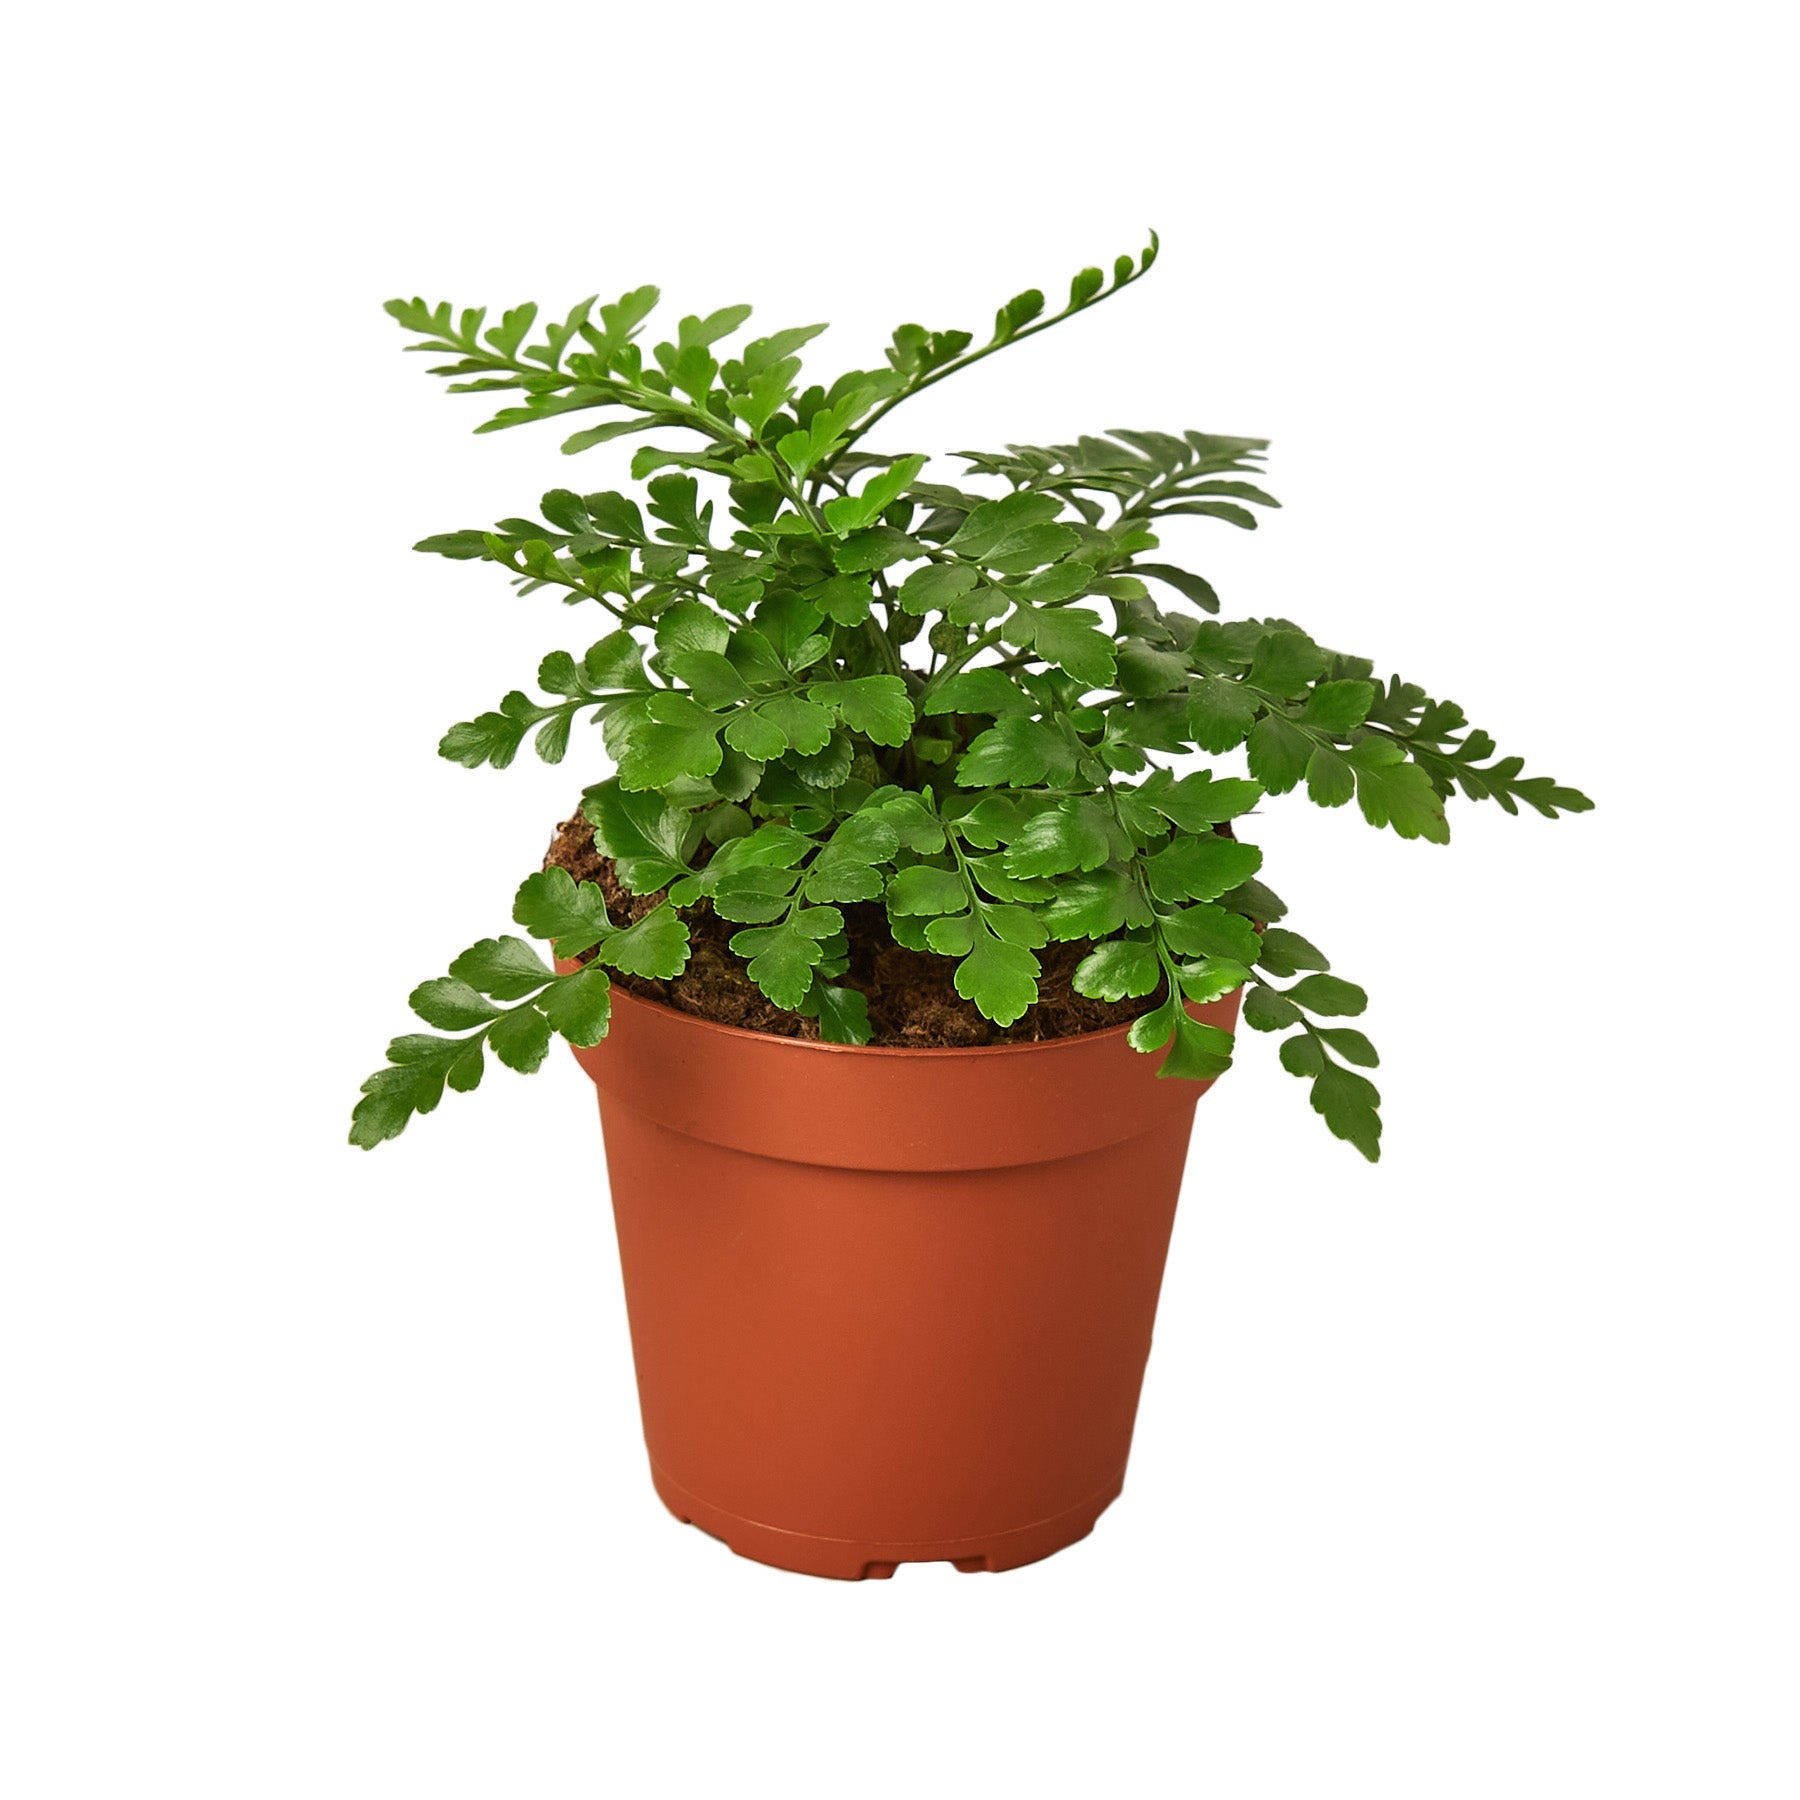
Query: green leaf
pixel 460 546
pixel 1287 953
pixel 1068 637
pixel 751 896
pixel 844 599
pixel 1329 996
pixel 580 1005
pixel 1146 671
pixel 712 680
pixel 1238 490
pixel 1117 970
pixel 827 768
pixel 843 1015
pixel 1347 1103
pixel 1016 925
pixel 1073 835
pixel 990 691
pixel 521 1039
pixel 565 510
pixel 1031 547
pixel 1198 1053
pixel 1192 587
pixel 846 868
pixel 622 319
pixel 1000 978
pixel 981 606
pixel 642 833
pixel 1207 930
pixel 852 512
pixel 1301 1055
pixel 697 332
pixel 1213 979
pixel 781 958
pixel 952 935
pixel 1220 713
pixel 552 740
pixel 542 406
pixel 1197 801
pixel 553 905
pixel 875 705
pixel 494 737
pixel 1016 752
pixel 991 877
pixel 1329 780
pixel 504 968
pixel 765 353
pixel 1255 901
pixel 617 661
pixel 805 727
pixel 1094 905
pixel 692 625
pixel 1050 587
pixel 727 864
pixel 1267 1009
pixel 1338 706
pixel 450 1005
pixel 391 1097
pixel 797 450
pixel 656 946
pixel 1200 868
pixel 1151 1030
pixel 680 738
pixel 880 547
pixel 752 735
pixel 673 500
pixel 753 656
pixel 924 888
pixel 1017 313
pixel 511 332
pixel 1279 752
pixel 1394 791
pixel 915 824
pixel 602 434
pixel 932 588
pixel 1212 509
pixel 414 1082
pixel 791 627
pixel 994 819
pixel 1351 1045
pixel 767 847
pixel 996 520
pixel 1285 662
pixel 617 516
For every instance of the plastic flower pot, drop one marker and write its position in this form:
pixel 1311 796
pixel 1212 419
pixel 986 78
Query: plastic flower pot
pixel 888 1305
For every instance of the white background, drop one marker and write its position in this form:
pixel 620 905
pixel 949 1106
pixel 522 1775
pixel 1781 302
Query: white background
pixel 1474 1474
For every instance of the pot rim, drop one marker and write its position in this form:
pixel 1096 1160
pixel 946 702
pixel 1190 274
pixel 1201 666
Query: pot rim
pixel 909 1052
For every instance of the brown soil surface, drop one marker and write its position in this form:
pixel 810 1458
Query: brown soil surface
pixel 913 1002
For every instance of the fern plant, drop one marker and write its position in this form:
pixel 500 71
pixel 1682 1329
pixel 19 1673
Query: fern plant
pixel 968 702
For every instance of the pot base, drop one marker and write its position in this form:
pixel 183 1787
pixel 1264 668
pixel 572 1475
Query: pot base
pixel 846 1559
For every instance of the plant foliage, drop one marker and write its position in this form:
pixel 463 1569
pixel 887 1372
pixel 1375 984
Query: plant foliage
pixel 978 700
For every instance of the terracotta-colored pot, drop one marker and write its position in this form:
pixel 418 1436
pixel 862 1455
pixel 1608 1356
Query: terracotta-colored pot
pixel 888 1305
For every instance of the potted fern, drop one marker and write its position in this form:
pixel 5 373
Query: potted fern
pixel 913 918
